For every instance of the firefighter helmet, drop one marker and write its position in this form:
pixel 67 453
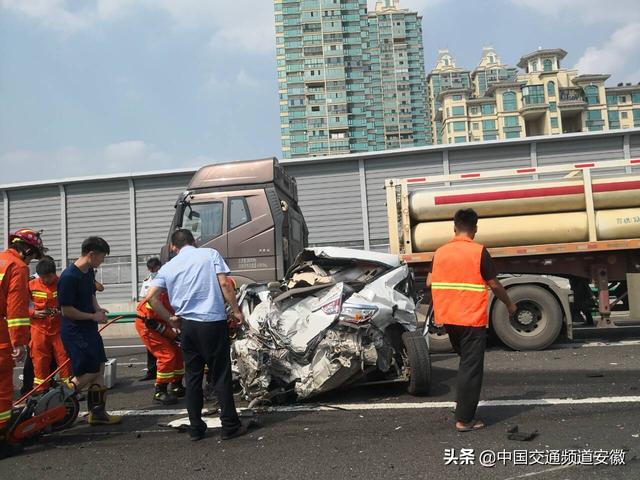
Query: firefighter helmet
pixel 30 237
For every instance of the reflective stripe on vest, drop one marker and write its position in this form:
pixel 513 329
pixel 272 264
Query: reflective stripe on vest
pixel 38 294
pixel 470 287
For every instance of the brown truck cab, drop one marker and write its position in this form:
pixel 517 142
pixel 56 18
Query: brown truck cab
pixel 248 211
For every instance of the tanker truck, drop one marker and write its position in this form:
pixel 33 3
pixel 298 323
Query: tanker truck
pixel 553 231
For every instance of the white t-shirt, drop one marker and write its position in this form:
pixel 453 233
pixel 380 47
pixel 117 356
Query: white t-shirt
pixel 146 284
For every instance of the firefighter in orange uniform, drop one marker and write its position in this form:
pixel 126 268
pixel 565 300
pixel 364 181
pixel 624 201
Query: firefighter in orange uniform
pixel 160 340
pixel 46 343
pixel 24 245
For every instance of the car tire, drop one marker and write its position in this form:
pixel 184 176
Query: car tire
pixel 538 321
pixel 417 352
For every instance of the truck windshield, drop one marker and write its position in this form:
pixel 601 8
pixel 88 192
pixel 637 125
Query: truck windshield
pixel 204 220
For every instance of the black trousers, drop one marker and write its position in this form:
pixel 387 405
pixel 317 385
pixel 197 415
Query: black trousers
pixel 28 375
pixel 151 363
pixel 208 343
pixel 469 343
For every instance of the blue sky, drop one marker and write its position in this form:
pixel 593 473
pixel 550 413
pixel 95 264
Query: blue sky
pixel 91 87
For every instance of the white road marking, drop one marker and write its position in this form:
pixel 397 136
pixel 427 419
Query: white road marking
pixel 620 343
pixel 121 365
pixel 76 433
pixel 577 344
pixel 212 422
pixel 405 405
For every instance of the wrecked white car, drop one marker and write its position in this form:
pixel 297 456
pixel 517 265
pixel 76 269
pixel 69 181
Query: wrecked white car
pixel 339 317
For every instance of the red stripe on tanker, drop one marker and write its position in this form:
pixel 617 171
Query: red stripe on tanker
pixel 534 192
pixel 524 198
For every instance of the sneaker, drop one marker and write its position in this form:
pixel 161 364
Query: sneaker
pixel 165 398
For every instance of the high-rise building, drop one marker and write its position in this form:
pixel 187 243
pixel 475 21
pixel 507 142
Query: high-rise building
pixel 320 76
pixel 396 86
pixel 444 77
pixel 544 99
pixel 349 81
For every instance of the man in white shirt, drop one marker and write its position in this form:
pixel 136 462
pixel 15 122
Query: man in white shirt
pixel 197 282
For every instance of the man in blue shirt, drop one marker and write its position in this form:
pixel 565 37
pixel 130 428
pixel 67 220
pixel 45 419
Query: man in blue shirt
pixel 197 283
pixel 81 315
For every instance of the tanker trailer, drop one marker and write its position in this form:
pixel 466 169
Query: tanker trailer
pixel 577 227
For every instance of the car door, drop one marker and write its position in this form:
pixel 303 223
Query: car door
pixel 251 242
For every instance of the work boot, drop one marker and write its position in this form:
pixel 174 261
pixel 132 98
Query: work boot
pixel 150 375
pixel 177 389
pixel 96 402
pixel 163 396
pixel 9 449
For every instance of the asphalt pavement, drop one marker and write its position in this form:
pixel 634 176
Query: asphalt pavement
pixel 582 399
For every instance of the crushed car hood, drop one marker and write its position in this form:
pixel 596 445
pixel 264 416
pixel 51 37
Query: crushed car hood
pixel 350 254
pixel 299 339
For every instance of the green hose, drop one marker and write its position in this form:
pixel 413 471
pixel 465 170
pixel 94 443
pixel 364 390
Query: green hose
pixel 128 317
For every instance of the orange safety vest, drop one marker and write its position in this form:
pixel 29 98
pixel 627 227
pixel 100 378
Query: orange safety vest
pixel 459 293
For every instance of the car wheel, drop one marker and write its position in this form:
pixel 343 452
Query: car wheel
pixel 419 363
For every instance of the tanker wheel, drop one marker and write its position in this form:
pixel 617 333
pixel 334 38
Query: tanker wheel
pixel 536 324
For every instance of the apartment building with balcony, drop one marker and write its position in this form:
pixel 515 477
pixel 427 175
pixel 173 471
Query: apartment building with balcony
pixel 544 99
pixel 445 77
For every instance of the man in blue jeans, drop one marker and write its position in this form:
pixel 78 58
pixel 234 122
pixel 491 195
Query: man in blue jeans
pixel 197 283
